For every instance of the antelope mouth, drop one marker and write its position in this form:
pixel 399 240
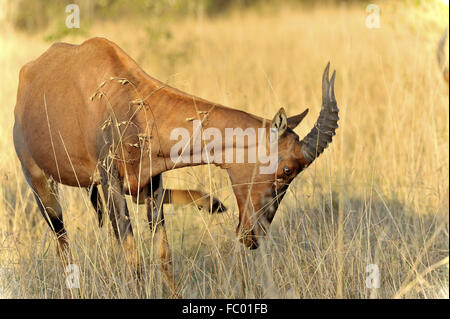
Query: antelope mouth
pixel 250 241
pixel 252 238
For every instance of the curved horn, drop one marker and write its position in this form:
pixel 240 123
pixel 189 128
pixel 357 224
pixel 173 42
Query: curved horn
pixel 320 136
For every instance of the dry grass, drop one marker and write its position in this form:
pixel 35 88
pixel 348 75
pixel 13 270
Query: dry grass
pixel 378 195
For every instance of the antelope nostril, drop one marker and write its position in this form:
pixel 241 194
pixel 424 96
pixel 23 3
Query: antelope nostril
pixel 253 245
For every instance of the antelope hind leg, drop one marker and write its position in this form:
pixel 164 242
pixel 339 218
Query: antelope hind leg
pixel 46 194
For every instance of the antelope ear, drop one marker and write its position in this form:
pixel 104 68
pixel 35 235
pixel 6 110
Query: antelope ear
pixel 280 122
pixel 295 120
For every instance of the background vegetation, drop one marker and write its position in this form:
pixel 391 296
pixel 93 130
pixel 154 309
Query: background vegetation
pixel 378 195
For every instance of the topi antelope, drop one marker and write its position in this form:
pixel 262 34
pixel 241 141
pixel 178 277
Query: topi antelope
pixel 88 115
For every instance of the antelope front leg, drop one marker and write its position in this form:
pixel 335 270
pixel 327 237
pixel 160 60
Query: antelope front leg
pixel 155 216
pixel 119 215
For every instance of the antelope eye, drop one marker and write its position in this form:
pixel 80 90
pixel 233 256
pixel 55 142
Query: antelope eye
pixel 287 171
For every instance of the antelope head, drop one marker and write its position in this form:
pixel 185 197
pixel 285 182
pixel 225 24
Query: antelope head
pixel 259 195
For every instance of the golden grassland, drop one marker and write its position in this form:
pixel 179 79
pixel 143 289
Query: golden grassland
pixel 378 195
